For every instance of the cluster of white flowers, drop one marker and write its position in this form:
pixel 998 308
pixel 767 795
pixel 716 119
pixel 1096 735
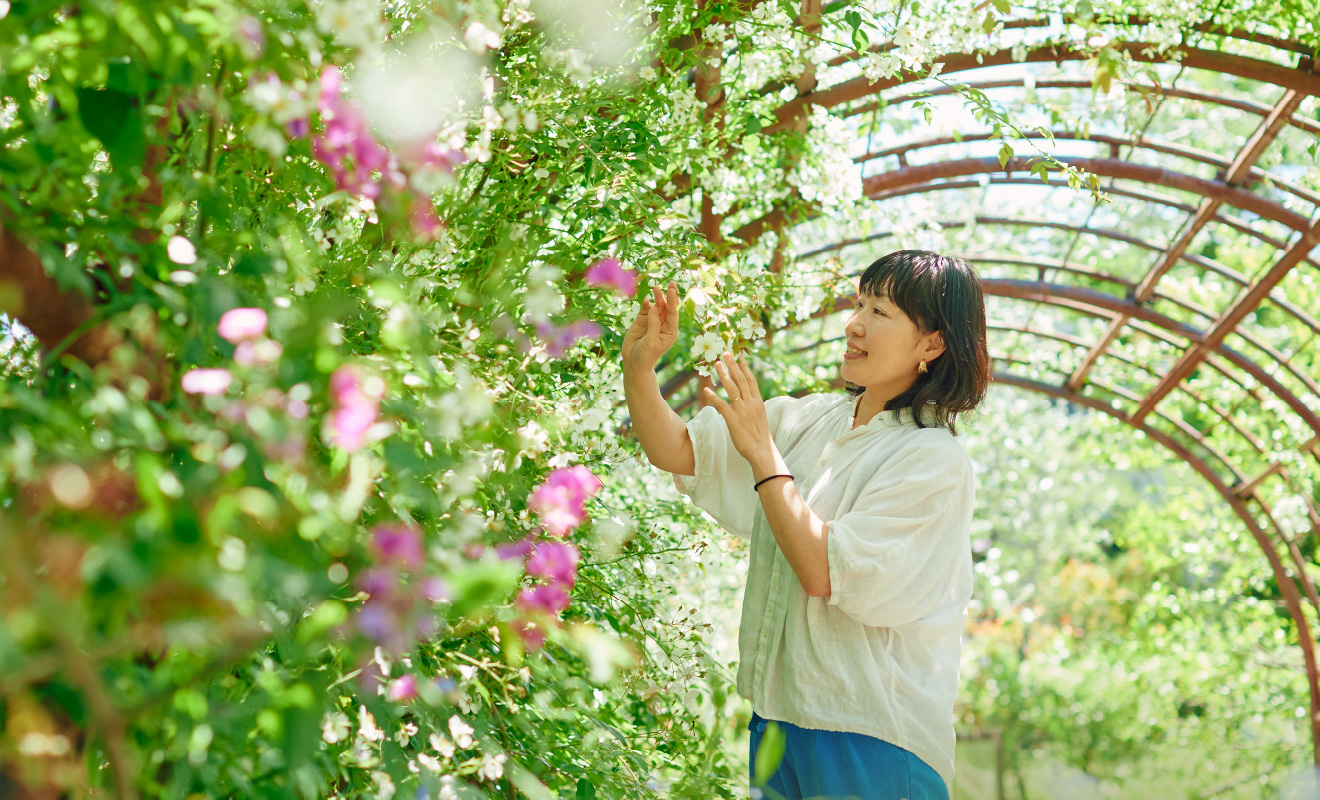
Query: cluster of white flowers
pixel 351 23
pixel 827 174
pixel 541 299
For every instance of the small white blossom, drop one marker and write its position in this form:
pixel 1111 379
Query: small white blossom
pixel 447 789
pixel 534 437
pixel 492 767
pixel 334 727
pixel 442 745
pixel 406 731
pixel 479 38
pixel 647 74
pixel 367 724
pixel 708 346
pixel 461 731
pixel 429 761
pixel 384 785
pixel 351 23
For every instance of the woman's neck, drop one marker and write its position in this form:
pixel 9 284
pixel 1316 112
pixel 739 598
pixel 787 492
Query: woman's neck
pixel 870 404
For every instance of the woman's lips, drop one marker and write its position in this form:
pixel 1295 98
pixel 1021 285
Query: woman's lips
pixel 853 354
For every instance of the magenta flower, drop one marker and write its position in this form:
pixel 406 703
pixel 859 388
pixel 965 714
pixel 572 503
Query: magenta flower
pixel 558 340
pixel 609 272
pixel 206 381
pixel 510 550
pixel 347 139
pixel 398 544
pixel 403 689
pixel 532 635
pixel 355 404
pixel 242 324
pixel 555 561
pixel 549 598
pixel 258 354
pixel 561 500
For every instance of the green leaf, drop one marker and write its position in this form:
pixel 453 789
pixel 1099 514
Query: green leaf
pixel 115 118
pixel 585 790
pixel 860 40
pixel 1005 153
pixel 1003 6
pixel 769 753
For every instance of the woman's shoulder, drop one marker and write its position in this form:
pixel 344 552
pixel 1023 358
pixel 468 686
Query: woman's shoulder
pixel 937 443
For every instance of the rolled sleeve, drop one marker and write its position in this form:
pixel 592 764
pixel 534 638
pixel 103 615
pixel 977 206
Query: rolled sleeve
pixel 722 485
pixel 894 557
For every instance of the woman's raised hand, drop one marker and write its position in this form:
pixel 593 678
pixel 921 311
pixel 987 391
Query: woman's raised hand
pixel 654 330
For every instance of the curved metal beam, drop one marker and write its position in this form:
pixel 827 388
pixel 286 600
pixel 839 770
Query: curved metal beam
pixel 1256 174
pixel 1287 585
pixel 1212 98
pixel 1107 167
pixel 1305 82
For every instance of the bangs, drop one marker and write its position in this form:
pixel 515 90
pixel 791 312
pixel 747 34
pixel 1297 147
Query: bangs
pixel 914 280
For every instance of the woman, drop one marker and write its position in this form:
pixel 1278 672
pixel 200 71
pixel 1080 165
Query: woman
pixel 858 507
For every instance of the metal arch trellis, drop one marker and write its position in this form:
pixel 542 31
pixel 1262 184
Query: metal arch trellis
pixel 1206 345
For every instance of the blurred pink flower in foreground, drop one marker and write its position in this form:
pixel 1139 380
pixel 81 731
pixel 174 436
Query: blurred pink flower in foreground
pixel 346 138
pixel 403 689
pixel 559 339
pixel 206 381
pixel 355 404
pixel 398 544
pixel 242 324
pixel 561 500
pixel 258 353
pixel 609 272
pixel 550 598
pixel 555 561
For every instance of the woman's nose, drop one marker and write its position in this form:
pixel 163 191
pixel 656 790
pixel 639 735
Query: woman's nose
pixel 854 325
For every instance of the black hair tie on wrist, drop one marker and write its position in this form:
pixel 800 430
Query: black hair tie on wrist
pixel 772 477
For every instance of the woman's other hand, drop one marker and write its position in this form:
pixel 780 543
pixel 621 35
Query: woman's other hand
pixel 654 330
pixel 744 412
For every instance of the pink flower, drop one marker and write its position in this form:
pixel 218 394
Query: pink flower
pixel 555 561
pixel 403 689
pixel 561 500
pixel 355 407
pixel 258 354
pixel 346 138
pixel 558 340
pixel 242 324
pixel 532 635
pixel 426 224
pixel 609 272
pixel 549 598
pixel 510 550
pixel 398 544
pixel 206 381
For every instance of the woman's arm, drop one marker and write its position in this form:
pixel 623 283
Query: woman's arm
pixel 663 436
pixel 801 535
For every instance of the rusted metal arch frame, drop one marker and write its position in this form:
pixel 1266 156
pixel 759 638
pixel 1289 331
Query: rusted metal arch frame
pixel 1115 142
pixel 1207 211
pixel 1213 98
pixel 1200 261
pixel 1302 377
pixel 1287 585
pixel 1131 20
pixel 1301 80
pixel 1231 318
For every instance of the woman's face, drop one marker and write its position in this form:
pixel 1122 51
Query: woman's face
pixel 885 346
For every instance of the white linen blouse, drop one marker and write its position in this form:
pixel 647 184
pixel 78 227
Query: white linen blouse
pixel 880 655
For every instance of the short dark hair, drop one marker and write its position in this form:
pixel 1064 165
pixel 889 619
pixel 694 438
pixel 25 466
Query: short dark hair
pixel 938 293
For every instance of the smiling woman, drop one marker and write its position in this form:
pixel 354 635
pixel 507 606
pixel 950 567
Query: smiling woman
pixel 868 501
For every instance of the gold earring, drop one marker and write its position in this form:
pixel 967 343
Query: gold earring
pixel 921 368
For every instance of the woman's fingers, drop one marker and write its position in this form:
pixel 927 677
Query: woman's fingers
pixel 671 312
pixel 730 386
pixel 736 375
pixel 752 386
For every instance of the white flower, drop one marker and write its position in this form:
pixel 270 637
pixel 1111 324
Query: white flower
pixel 447 790
pixel 406 731
pixel 181 251
pixel 367 723
pixel 541 173
pixel 384 785
pixel 708 346
pixel 647 74
pixel 442 745
pixel 467 671
pixel 541 301
pixel 461 731
pixel 492 767
pixel 352 23
pixel 334 727
pixel 479 38
pixel 429 761
pixel 534 437
pixel 749 328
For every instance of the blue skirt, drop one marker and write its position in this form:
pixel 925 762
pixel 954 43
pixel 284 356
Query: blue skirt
pixel 845 765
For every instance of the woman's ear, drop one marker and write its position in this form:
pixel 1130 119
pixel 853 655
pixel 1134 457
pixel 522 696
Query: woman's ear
pixel 933 345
